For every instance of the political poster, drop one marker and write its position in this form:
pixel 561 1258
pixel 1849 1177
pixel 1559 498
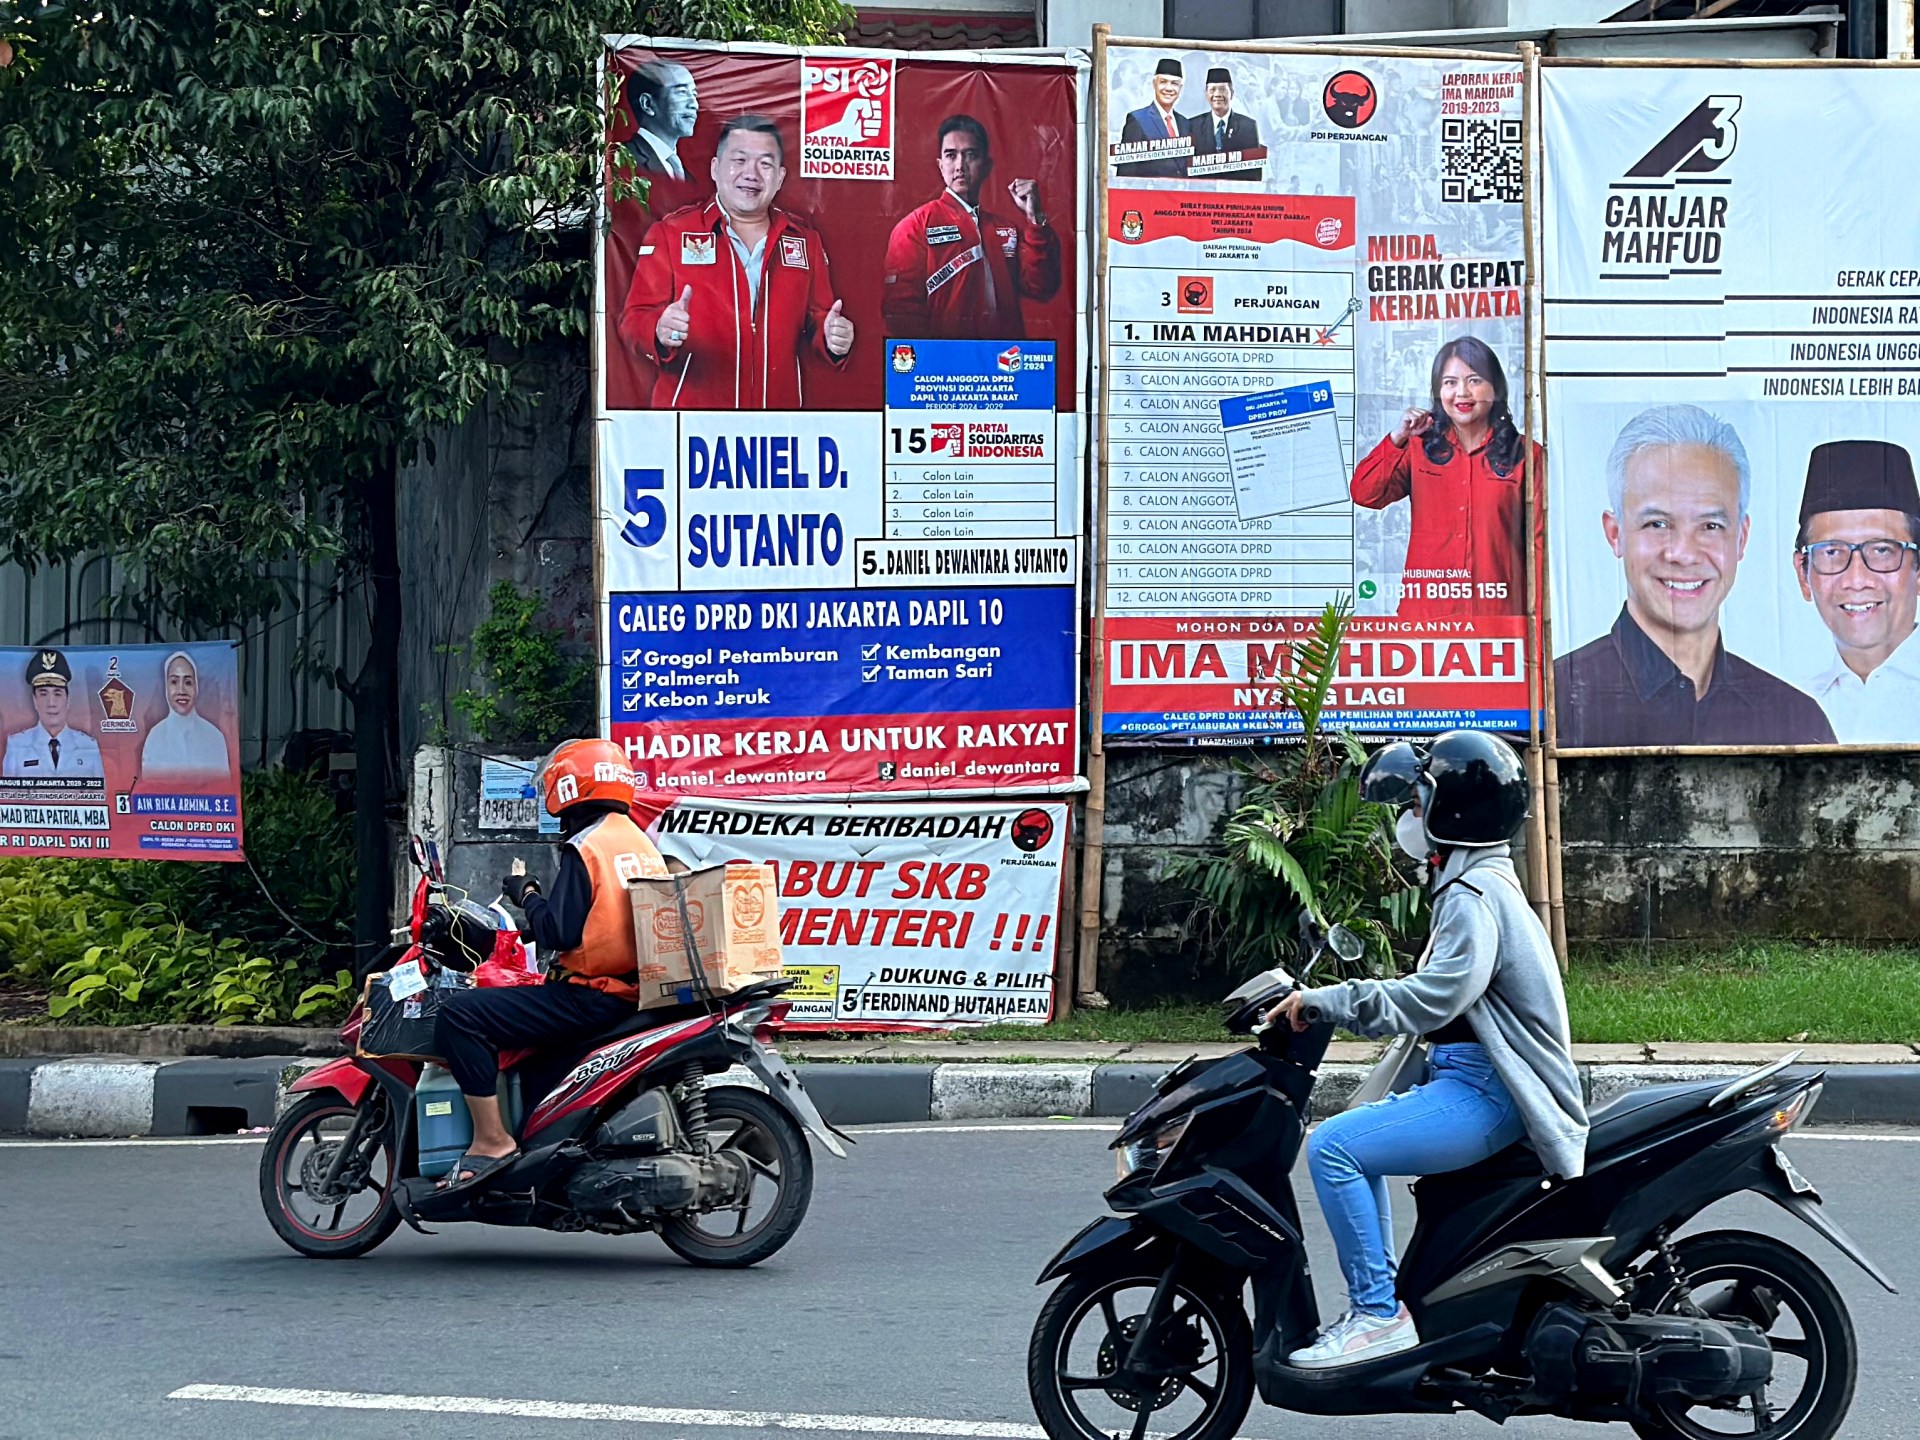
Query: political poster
pixel 1313 345
pixel 1733 388
pixel 123 752
pixel 898 916
pixel 840 437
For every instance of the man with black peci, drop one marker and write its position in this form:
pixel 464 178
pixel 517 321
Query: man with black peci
pixel 1222 128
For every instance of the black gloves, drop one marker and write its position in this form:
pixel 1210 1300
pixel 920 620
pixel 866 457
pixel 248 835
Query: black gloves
pixel 517 887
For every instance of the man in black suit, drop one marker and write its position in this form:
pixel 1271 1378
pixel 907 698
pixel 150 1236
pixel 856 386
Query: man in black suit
pixel 1159 121
pixel 665 105
pixel 1222 128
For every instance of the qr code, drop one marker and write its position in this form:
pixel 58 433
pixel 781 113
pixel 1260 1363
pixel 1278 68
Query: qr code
pixel 1479 161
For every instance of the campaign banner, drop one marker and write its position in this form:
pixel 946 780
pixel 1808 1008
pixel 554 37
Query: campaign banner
pixel 897 916
pixel 1733 383
pixel 840 435
pixel 122 752
pixel 1314 339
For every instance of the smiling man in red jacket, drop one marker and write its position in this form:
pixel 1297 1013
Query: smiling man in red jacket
pixel 728 296
pixel 957 270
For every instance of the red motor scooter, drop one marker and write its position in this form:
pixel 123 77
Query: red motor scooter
pixel 629 1133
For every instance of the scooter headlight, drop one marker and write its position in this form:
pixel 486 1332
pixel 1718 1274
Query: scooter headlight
pixel 1148 1153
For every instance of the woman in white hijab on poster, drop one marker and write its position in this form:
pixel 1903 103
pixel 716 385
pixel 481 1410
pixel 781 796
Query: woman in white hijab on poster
pixel 184 743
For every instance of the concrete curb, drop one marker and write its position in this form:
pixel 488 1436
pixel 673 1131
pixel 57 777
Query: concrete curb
pixel 122 1096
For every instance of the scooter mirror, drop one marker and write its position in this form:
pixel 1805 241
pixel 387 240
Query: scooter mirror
pixel 1344 943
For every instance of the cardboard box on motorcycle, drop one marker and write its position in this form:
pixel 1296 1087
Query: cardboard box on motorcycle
pixel 733 913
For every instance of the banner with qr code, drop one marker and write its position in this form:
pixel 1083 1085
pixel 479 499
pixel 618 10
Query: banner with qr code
pixel 1314 354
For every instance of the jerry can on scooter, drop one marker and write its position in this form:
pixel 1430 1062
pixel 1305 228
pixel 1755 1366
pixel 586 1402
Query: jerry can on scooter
pixel 441 1120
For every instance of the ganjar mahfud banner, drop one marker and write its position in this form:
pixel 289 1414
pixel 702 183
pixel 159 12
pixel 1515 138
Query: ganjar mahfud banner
pixel 1733 385
pixel 1314 365
pixel 839 431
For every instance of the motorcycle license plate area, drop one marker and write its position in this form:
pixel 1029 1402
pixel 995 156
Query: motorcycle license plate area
pixel 1796 1182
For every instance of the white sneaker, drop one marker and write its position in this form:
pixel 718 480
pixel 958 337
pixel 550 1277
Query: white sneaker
pixel 1355 1337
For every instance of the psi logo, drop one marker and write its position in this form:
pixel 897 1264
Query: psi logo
pixel 846 119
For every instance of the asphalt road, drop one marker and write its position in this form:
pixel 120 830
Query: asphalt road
pixel 130 1272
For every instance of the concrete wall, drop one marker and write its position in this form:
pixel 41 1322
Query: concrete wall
pixel 1767 846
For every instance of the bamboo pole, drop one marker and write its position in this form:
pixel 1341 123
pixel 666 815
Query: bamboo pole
pixel 1535 179
pixel 1530 506
pixel 1086 976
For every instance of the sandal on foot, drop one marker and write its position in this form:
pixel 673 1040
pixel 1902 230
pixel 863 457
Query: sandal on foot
pixel 472 1169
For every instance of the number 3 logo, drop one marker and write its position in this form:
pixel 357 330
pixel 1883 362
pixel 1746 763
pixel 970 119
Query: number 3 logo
pixel 646 512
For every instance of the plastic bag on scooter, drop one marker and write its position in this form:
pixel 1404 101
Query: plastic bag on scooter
pixel 401 1006
pixel 510 963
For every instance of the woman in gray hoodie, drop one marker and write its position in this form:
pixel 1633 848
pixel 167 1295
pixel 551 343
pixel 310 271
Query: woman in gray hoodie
pixel 1486 996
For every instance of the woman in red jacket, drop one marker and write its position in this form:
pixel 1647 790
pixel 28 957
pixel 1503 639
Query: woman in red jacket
pixel 1467 553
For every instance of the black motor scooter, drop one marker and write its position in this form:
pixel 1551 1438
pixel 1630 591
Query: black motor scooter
pixel 1533 1295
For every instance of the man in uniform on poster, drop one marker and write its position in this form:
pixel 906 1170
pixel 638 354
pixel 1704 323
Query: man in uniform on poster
pixel 51 749
pixel 1857 560
pixel 727 297
pixel 957 270
pixel 1678 484
pixel 1158 121
pixel 1222 128
pixel 665 106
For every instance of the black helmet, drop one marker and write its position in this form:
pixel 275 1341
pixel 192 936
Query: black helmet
pixel 1471 785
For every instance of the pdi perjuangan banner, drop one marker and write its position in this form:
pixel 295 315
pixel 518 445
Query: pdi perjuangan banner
pixel 898 916
pixel 1314 363
pixel 126 752
pixel 1733 381
pixel 840 438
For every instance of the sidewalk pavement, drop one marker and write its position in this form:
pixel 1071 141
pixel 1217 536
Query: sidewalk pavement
pixel 896 1080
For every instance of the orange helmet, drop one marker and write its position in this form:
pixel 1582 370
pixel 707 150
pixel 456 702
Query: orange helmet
pixel 581 770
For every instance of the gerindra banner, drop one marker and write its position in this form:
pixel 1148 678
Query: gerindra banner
pixel 1733 346
pixel 1313 345
pixel 127 752
pixel 839 440
pixel 898 916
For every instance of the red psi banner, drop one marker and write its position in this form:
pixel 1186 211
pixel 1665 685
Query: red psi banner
pixel 130 752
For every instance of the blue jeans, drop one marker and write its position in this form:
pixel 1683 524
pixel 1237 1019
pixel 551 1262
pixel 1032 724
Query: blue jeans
pixel 1458 1118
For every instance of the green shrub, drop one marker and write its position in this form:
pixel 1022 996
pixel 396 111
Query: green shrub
pixel 144 941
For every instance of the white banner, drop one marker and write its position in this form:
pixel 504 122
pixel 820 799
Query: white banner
pixel 899 916
pixel 1733 376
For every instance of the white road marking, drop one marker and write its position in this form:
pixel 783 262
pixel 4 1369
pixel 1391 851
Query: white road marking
pixel 83 1144
pixel 1101 1127
pixel 1844 1135
pixel 628 1414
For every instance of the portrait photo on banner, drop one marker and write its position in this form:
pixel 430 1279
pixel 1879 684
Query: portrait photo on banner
pixel 1735 573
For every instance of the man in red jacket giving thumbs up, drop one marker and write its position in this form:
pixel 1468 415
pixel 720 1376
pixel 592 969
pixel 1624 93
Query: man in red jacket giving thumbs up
pixel 728 295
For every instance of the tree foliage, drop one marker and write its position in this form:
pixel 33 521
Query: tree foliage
pixel 1302 841
pixel 257 253
pixel 254 256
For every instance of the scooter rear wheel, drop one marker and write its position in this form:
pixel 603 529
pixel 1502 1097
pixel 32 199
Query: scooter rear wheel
pixel 1199 1382
pixel 1755 1277
pixel 299 1152
pixel 778 1195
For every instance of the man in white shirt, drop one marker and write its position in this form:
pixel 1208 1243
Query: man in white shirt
pixel 665 107
pixel 184 743
pixel 1857 558
pixel 51 749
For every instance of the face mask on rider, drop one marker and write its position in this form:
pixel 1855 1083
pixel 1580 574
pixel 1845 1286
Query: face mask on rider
pixel 1410 834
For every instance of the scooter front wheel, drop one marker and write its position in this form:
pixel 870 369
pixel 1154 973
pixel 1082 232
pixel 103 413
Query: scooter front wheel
pixel 324 1209
pixel 1091 1379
